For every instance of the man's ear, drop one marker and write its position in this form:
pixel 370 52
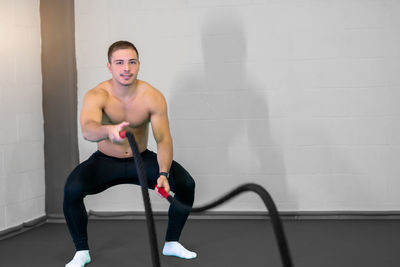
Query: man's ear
pixel 109 66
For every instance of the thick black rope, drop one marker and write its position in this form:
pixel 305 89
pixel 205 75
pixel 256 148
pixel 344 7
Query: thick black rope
pixel 273 212
pixel 155 256
pixel 265 196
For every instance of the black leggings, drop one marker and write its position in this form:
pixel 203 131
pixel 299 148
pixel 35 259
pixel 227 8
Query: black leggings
pixel 100 172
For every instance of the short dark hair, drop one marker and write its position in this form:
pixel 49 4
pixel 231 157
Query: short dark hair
pixel 120 45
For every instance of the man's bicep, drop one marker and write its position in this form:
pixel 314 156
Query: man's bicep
pixel 91 109
pixel 160 126
pixel 159 117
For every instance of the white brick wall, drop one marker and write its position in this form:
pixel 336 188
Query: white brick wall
pixel 21 132
pixel 299 96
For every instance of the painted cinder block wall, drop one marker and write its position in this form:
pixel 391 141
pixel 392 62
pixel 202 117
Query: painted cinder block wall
pixel 22 189
pixel 298 96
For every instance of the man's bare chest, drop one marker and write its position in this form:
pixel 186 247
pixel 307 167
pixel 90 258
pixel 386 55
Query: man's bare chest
pixel 135 112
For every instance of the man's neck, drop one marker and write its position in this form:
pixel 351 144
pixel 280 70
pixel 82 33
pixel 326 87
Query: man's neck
pixel 124 91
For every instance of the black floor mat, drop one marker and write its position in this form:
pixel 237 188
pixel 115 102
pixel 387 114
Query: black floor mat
pixel 219 243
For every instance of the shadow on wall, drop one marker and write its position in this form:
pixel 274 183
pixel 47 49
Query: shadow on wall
pixel 220 119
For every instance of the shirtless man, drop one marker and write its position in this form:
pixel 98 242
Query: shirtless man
pixel 124 101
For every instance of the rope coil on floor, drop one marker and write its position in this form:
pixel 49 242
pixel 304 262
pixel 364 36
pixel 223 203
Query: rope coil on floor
pixel 259 190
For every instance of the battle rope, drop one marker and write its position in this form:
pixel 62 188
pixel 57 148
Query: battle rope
pixel 146 199
pixel 265 196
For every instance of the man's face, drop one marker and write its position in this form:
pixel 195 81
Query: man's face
pixel 124 66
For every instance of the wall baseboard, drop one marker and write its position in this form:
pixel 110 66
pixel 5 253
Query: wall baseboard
pixel 240 215
pixel 16 230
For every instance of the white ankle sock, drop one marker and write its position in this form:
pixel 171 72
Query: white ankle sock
pixel 80 259
pixel 174 248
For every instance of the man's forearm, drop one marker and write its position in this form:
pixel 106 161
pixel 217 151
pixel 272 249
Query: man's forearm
pixel 164 155
pixel 95 132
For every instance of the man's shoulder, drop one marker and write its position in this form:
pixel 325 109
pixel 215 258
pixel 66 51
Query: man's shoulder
pixel 154 99
pixel 149 90
pixel 100 91
pixel 145 86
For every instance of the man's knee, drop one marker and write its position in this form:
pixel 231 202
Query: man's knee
pixel 190 184
pixel 72 193
pixel 188 192
pixel 185 188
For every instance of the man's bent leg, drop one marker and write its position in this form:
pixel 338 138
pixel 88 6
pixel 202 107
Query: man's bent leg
pixel 75 213
pixel 183 185
pixel 96 174
pixel 76 218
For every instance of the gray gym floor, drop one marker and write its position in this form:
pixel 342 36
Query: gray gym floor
pixel 219 243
